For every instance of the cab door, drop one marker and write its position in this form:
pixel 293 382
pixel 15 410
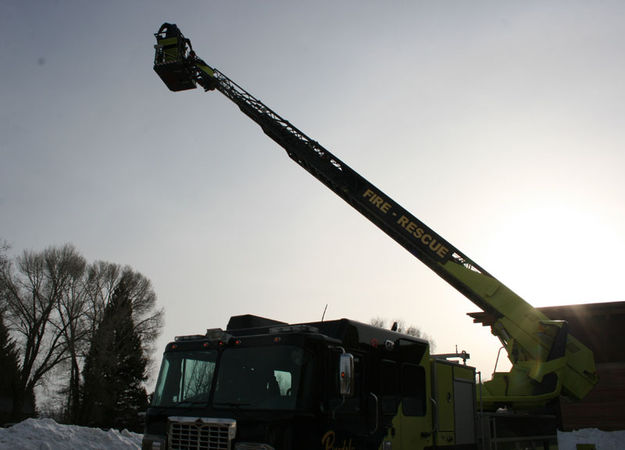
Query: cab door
pixel 406 415
pixel 415 409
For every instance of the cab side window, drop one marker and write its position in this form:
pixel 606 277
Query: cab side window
pixel 390 392
pixel 413 390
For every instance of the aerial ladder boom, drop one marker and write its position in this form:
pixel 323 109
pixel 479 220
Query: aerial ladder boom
pixel 546 360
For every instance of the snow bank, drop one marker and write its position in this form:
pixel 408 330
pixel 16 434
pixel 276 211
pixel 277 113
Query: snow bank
pixel 46 434
pixel 603 440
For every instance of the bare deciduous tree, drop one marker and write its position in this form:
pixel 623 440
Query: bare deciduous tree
pixel 72 320
pixel 32 292
pixel 147 320
pixel 102 280
pixel 98 288
pixel 4 248
pixel 400 327
pixel 53 303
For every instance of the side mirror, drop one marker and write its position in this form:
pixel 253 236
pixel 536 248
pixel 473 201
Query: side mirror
pixel 346 374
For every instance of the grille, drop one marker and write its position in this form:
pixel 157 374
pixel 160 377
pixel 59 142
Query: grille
pixel 199 433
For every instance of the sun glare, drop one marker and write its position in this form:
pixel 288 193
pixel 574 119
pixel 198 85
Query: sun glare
pixel 558 254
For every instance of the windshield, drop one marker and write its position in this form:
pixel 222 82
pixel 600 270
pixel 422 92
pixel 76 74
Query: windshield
pixel 185 378
pixel 275 377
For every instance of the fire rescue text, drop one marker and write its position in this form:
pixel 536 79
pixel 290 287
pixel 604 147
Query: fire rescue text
pixel 414 228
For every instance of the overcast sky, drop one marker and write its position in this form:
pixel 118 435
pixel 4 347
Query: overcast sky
pixel 499 124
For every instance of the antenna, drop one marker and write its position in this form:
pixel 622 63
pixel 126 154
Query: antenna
pixel 324 312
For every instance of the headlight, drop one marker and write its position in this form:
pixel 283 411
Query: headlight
pixel 252 446
pixel 152 442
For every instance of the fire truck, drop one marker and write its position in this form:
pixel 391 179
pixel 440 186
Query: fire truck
pixel 264 384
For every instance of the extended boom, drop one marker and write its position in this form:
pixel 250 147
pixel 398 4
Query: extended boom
pixel 546 360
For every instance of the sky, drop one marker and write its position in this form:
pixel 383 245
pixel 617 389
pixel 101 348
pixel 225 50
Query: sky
pixel 499 124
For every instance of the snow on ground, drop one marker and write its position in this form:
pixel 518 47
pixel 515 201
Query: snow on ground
pixel 46 434
pixel 602 440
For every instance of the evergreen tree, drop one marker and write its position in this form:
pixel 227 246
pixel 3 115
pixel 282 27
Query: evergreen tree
pixel 115 369
pixel 9 372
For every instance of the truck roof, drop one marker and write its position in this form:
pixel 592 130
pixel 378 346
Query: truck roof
pixel 350 333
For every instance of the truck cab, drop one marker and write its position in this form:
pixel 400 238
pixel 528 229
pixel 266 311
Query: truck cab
pixel 264 384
